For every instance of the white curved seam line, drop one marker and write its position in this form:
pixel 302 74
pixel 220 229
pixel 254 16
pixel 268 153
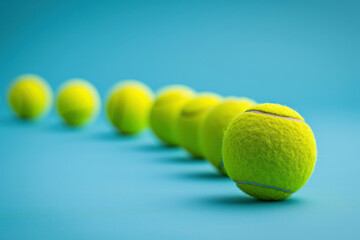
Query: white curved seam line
pixel 273 115
pixel 264 185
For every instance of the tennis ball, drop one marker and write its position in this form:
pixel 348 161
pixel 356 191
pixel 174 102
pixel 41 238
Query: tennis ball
pixel 190 120
pixel 166 110
pixel 269 151
pixel 30 96
pixel 128 106
pixel 215 125
pixel 78 102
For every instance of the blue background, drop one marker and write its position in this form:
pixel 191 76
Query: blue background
pixel 60 183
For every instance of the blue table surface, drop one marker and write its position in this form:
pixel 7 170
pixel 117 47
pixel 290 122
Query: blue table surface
pixel 62 183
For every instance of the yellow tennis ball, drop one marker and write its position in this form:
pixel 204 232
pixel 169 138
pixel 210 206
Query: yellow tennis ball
pixel 78 102
pixel 190 120
pixel 215 125
pixel 30 96
pixel 269 151
pixel 166 110
pixel 128 106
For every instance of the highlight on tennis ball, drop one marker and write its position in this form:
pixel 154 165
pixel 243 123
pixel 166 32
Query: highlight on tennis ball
pixel 269 151
pixel 30 96
pixel 190 120
pixel 166 110
pixel 128 106
pixel 78 102
pixel 214 127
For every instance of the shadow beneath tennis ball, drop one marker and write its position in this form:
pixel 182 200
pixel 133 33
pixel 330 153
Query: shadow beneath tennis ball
pixel 244 200
pixel 179 160
pixel 156 147
pixel 63 128
pixel 15 121
pixel 114 136
pixel 203 176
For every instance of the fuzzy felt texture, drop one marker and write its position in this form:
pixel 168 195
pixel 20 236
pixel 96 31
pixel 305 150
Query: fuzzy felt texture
pixel 214 127
pixel 166 110
pixel 30 97
pixel 269 150
pixel 190 121
pixel 78 102
pixel 128 107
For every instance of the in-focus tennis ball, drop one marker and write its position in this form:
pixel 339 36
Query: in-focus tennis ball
pixel 269 151
pixel 215 125
pixel 190 120
pixel 128 106
pixel 78 102
pixel 30 96
pixel 166 110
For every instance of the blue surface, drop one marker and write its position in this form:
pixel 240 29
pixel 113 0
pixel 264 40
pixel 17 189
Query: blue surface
pixel 61 183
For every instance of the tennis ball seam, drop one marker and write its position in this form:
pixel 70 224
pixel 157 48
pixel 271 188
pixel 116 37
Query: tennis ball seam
pixel 274 115
pixel 265 186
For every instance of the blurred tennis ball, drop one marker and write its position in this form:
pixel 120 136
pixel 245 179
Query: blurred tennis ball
pixel 166 110
pixel 215 125
pixel 128 106
pixel 78 102
pixel 30 96
pixel 269 151
pixel 190 121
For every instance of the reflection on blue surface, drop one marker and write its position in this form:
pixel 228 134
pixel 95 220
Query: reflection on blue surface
pixel 61 183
